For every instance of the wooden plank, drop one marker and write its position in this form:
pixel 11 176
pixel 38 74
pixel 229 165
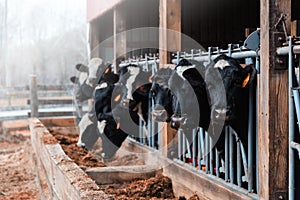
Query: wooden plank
pixel 273 107
pixel 59 121
pixel 169 19
pixel 65 179
pixel 119 35
pixel 122 174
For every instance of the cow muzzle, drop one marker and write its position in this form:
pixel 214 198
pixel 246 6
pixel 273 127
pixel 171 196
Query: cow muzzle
pixel 159 115
pixel 221 114
pixel 125 103
pixel 178 121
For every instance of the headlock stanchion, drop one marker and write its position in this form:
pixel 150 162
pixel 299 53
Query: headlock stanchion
pixel 238 166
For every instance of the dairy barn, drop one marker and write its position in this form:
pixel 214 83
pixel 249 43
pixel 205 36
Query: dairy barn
pixel 168 129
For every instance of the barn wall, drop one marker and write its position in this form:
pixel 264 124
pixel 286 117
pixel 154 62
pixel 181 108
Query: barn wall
pixel 219 22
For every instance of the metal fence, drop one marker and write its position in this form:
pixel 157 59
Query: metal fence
pixel 238 168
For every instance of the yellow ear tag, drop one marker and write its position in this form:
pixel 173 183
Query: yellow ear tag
pixel 150 79
pixel 246 80
pixel 118 125
pixel 117 98
pixel 106 71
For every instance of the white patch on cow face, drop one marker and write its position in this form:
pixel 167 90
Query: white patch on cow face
pixel 101 125
pixel 101 86
pixel 94 65
pixel 222 64
pixel 134 71
pixel 181 69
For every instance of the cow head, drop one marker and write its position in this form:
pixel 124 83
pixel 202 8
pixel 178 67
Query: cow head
pixel 226 82
pixel 161 94
pixel 187 84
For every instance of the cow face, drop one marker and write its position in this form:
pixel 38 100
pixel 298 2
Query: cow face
pixel 188 86
pixel 162 96
pixel 226 80
pixel 94 67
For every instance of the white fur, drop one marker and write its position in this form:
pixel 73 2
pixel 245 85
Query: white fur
pixel 101 126
pixel 222 64
pixel 101 86
pixel 181 69
pixel 134 71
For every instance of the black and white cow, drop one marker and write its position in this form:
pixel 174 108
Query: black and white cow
pixel 164 101
pixel 187 84
pixel 88 128
pixel 228 92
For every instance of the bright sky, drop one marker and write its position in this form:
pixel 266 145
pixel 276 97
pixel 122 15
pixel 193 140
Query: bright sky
pixel 29 20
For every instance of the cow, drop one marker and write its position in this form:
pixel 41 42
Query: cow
pixel 162 96
pixel 119 106
pixel 88 128
pixel 228 93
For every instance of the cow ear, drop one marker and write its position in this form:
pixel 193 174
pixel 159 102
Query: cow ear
pixel 246 80
pixel 74 79
pixel 249 73
pixel 82 68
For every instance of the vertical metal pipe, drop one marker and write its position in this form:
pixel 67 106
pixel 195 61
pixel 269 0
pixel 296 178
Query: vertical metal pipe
pixel 199 155
pixel 141 134
pixel 239 166
pixel 291 125
pixel 250 140
pixel 226 153
pixel 153 132
pixel 211 156
pixel 202 135
pixel 257 66
pixel 206 152
pixel 179 144
pixel 231 156
pixel 217 163
pixel 183 147
pixel 194 146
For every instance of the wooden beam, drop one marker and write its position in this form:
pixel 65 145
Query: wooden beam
pixel 119 35
pixel 169 19
pixel 273 106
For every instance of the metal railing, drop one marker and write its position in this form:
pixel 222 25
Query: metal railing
pixel 238 168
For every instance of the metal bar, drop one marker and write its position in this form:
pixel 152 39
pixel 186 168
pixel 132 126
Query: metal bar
pixel 296 146
pixel 206 152
pixel 153 131
pixel 183 147
pixel 217 163
pixel 199 155
pixel 239 164
pixel 287 50
pixel 194 146
pixel 143 62
pixel 297 104
pixel 249 172
pixel 141 134
pixel 179 144
pixel 226 153
pixel 245 165
pixel 211 156
pixel 291 123
pixel 231 157
pixel 202 145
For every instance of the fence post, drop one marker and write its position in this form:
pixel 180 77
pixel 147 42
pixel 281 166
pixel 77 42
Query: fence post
pixel 34 104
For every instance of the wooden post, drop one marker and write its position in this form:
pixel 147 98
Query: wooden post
pixel 119 35
pixel 273 105
pixel 34 103
pixel 169 19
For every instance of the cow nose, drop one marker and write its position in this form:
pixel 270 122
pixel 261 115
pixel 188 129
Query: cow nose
pixel 125 103
pixel 159 115
pixel 220 113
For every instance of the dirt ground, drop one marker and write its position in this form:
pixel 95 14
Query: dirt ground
pixel 17 170
pixel 159 187
pixel 17 175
